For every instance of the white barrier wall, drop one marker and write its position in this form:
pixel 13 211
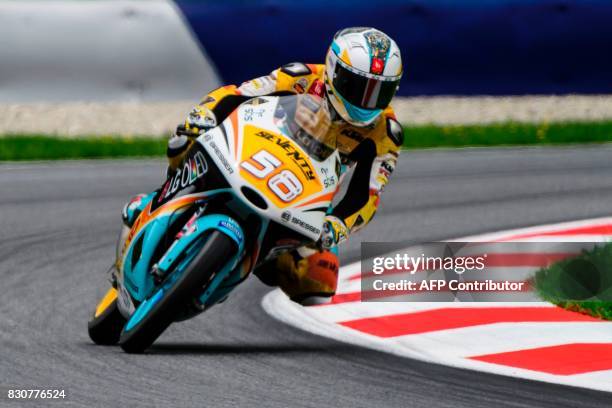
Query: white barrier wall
pixel 160 118
pixel 99 51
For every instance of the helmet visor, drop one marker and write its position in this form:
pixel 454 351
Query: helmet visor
pixel 363 90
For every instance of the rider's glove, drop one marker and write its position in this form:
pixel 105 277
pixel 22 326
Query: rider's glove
pixel 199 120
pixel 334 232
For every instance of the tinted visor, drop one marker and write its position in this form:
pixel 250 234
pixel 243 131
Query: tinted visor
pixel 361 91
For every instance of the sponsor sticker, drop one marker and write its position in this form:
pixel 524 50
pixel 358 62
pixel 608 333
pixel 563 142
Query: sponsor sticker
pixel 317 88
pixel 233 228
pixel 300 85
pixel 291 152
pixel 305 225
pixel 192 169
pixel 221 157
pixel 252 113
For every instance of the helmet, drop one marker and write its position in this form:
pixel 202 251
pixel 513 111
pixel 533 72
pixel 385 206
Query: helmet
pixel 363 68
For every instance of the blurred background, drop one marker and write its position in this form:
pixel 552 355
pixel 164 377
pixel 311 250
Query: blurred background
pixel 134 68
pixel 450 47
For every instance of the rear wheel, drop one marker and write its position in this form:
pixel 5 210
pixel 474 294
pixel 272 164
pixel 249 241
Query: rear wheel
pixel 105 326
pixel 162 307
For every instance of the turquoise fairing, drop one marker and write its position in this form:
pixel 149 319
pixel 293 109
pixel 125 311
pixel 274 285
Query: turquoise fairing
pixel 185 245
pixel 137 276
pixel 144 308
pixel 132 213
pixel 222 223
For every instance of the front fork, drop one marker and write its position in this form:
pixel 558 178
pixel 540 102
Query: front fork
pixel 112 294
pixel 123 234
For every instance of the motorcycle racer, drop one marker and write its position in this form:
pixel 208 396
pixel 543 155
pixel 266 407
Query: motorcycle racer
pixel 360 76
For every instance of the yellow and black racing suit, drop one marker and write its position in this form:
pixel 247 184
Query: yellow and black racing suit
pixel 372 150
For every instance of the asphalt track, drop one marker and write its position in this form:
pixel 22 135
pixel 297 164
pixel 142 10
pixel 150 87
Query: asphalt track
pixel 58 224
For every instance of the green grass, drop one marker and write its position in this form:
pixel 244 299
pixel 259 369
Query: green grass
pixel 582 284
pixel 507 134
pixel 43 147
pixel 34 147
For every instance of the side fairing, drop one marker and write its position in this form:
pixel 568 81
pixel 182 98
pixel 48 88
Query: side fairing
pixel 196 180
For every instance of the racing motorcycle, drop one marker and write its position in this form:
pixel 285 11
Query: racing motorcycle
pixel 258 184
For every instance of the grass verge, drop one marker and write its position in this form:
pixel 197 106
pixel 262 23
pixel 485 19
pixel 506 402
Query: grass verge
pixel 34 147
pixel 582 284
pixel 42 147
pixel 507 134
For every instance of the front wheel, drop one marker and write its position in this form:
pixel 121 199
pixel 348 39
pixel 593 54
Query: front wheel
pixel 157 312
pixel 105 326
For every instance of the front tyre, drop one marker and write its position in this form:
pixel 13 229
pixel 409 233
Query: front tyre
pixel 105 325
pixel 166 303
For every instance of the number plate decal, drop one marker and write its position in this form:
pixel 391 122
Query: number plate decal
pixel 277 167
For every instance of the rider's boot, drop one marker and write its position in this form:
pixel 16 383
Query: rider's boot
pixel 306 275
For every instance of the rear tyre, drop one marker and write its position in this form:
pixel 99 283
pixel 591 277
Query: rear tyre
pixel 105 326
pixel 215 253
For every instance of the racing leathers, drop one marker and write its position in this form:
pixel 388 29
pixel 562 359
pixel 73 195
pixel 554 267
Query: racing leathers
pixel 372 151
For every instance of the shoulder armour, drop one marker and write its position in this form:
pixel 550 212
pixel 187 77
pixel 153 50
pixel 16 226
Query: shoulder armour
pixel 395 132
pixel 295 69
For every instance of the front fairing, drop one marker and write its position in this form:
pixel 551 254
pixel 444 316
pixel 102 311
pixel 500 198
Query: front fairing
pixel 192 184
pixel 248 143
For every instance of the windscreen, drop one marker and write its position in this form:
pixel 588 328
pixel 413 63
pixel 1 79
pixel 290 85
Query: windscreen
pixel 306 120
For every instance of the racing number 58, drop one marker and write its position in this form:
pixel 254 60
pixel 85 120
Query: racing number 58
pixel 285 184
